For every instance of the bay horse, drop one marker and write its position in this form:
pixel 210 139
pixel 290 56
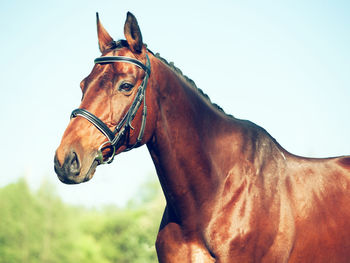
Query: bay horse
pixel 233 193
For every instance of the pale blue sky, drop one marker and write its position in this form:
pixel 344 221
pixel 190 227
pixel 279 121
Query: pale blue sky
pixel 282 64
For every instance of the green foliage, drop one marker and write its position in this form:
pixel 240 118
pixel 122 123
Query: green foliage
pixel 39 227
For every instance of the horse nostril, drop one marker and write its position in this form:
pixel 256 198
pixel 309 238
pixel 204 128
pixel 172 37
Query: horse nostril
pixel 74 165
pixel 56 162
pixel 69 169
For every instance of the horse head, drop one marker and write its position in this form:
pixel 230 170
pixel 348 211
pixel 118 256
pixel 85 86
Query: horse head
pixel 113 111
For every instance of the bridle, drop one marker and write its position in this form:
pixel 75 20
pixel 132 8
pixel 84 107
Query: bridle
pixel 114 137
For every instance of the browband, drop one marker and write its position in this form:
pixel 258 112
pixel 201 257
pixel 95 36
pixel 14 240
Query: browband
pixel 101 60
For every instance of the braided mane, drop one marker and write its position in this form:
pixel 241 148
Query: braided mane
pixel 122 43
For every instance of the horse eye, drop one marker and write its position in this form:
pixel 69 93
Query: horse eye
pixel 126 87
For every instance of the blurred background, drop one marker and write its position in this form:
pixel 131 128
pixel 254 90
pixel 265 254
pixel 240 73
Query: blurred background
pixel 283 65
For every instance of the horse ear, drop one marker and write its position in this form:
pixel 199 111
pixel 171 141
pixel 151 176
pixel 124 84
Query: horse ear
pixel 104 39
pixel 132 33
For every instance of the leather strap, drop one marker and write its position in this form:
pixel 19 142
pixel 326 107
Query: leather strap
pixel 101 60
pixel 95 121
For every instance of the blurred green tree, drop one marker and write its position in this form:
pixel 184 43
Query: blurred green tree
pixel 39 227
pixel 128 235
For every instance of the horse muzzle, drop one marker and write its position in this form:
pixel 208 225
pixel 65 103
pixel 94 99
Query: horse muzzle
pixel 69 172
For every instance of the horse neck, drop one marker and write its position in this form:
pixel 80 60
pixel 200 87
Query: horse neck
pixel 189 141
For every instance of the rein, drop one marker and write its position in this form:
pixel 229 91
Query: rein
pixel 114 137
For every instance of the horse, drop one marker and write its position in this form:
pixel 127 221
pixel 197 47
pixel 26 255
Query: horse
pixel 233 194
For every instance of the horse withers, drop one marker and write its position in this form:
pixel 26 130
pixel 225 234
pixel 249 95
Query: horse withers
pixel 233 193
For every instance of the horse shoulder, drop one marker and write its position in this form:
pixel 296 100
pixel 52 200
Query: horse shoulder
pixel 318 192
pixel 251 214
